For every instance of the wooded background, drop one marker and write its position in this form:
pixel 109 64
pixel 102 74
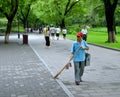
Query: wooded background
pixel 36 13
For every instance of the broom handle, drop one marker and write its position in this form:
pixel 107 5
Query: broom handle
pixel 59 72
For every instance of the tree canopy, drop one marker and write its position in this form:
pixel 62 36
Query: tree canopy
pixel 63 13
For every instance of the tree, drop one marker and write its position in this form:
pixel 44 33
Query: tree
pixel 9 9
pixel 96 14
pixel 58 11
pixel 24 11
pixel 68 7
pixel 110 6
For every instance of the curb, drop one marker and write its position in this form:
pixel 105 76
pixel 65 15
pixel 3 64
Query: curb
pixel 105 47
pixel 102 46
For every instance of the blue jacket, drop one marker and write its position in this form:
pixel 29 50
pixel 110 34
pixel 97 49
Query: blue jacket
pixel 79 55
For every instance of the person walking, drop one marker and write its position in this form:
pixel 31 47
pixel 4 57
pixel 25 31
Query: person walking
pixel 58 32
pixel 64 32
pixel 52 31
pixel 84 31
pixel 47 36
pixel 78 52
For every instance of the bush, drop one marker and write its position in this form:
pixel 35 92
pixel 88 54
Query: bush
pixel 73 29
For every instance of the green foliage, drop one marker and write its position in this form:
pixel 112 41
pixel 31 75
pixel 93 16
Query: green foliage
pixel 73 29
pixel 3 22
pixel 118 29
pixel 99 36
pixel 15 29
pixel 85 12
pixel 98 29
pixel 5 5
pixel 53 11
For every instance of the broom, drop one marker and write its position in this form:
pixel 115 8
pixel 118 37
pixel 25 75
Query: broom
pixel 65 66
pixel 68 64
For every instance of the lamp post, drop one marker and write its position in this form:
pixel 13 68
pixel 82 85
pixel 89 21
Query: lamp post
pixel 18 27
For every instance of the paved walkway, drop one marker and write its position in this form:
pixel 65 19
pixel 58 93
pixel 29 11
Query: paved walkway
pixel 101 79
pixel 23 74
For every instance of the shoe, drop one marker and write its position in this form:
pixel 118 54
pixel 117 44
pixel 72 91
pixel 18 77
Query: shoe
pixel 77 83
pixel 81 80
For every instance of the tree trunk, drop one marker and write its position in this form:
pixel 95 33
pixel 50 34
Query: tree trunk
pixel 24 25
pixel 62 25
pixel 110 26
pixel 111 37
pixel 110 19
pixel 8 31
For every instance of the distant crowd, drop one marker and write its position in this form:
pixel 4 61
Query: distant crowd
pixel 53 32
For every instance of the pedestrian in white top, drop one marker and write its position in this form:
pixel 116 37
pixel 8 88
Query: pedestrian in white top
pixel 84 31
pixel 58 32
pixel 52 31
pixel 64 32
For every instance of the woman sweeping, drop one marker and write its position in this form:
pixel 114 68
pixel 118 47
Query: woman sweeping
pixel 78 53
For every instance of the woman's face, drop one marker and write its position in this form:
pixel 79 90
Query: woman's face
pixel 79 38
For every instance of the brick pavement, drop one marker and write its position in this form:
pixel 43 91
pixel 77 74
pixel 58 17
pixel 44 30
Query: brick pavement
pixel 22 74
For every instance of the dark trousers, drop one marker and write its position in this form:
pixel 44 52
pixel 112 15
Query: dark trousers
pixel 84 37
pixel 47 39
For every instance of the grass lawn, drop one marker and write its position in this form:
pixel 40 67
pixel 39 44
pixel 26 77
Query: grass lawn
pixel 99 36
